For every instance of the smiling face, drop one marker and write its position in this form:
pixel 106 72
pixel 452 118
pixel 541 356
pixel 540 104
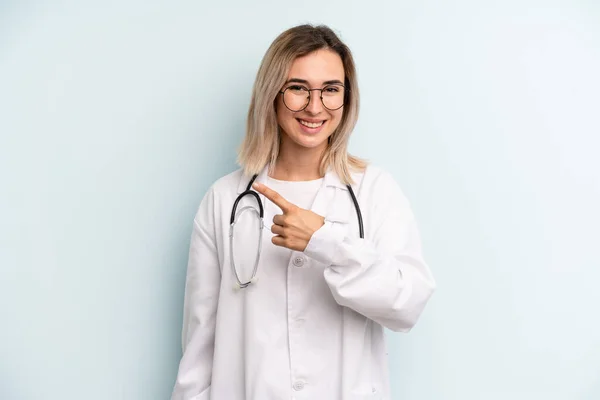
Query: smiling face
pixel 310 128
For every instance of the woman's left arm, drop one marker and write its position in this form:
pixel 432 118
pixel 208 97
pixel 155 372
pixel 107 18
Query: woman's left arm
pixel 384 277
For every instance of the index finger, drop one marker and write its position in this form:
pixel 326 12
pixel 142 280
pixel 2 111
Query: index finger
pixel 273 196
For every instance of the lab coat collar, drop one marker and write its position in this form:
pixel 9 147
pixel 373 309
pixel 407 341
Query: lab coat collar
pixel 332 201
pixel 245 179
pixel 331 179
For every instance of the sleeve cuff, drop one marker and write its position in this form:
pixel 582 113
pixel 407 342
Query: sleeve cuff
pixel 324 244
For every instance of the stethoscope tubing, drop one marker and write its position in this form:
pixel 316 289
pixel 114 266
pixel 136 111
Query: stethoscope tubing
pixel 260 213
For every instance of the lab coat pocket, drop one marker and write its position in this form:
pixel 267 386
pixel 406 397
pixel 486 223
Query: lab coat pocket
pixel 342 213
pixel 374 395
pixel 204 395
pixel 343 227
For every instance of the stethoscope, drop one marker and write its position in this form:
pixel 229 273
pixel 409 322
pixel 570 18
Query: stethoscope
pixel 260 213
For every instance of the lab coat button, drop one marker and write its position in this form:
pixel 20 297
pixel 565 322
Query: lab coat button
pixel 298 261
pixel 298 385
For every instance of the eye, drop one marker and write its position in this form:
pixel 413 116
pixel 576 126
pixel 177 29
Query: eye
pixel 297 88
pixel 332 89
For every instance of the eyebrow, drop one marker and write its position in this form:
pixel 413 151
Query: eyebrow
pixel 297 80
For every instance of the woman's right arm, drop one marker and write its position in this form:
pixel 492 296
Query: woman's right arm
pixel 199 309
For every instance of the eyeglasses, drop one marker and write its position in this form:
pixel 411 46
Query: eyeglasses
pixel 297 97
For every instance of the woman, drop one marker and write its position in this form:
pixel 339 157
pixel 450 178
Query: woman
pixel 308 322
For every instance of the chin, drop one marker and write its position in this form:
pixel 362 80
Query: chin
pixel 310 142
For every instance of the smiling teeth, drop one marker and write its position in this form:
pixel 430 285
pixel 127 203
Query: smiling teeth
pixel 311 124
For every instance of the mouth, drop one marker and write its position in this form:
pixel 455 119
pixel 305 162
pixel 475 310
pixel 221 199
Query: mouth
pixel 311 127
pixel 311 124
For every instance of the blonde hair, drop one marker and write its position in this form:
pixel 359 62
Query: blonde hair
pixel 261 142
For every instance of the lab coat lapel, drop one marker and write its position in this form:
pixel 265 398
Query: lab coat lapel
pixel 336 201
pixel 268 207
pixel 328 202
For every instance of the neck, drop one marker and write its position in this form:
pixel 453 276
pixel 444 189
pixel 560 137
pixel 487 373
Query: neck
pixel 296 163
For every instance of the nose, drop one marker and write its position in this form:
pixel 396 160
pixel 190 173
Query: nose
pixel 315 105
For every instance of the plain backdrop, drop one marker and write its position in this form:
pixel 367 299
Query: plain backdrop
pixel 115 117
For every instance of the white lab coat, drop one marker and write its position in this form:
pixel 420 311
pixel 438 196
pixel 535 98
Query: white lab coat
pixel 312 328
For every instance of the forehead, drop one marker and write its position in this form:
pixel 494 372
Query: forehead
pixel 318 67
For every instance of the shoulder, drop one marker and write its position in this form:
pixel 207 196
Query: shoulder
pixel 375 176
pixel 222 188
pixel 218 195
pixel 227 184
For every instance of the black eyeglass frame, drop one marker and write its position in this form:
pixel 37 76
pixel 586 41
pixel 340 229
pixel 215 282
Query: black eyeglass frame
pixel 346 91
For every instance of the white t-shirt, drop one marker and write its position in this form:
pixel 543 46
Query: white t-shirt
pixel 300 193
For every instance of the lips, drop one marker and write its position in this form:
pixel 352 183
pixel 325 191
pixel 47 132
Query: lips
pixel 311 124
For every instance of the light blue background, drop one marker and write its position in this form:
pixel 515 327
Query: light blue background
pixel 115 118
